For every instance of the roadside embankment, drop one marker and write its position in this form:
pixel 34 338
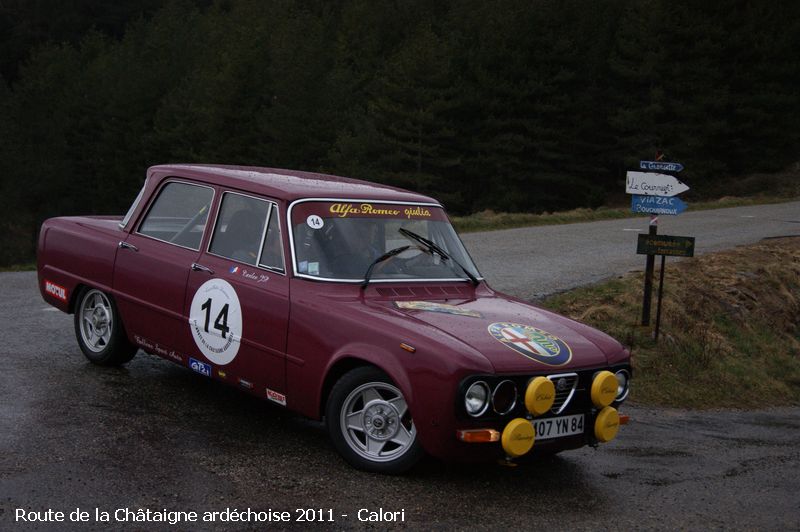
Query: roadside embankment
pixel 730 328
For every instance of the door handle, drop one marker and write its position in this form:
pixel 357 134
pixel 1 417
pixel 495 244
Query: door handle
pixel 200 268
pixel 125 245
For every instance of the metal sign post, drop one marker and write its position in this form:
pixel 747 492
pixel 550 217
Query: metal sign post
pixel 660 297
pixel 652 245
pixel 654 193
pixel 648 275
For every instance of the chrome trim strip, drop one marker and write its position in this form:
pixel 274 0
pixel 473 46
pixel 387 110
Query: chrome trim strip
pixel 513 403
pixel 571 392
pixel 488 399
pixel 627 385
pixel 264 234
pixel 128 215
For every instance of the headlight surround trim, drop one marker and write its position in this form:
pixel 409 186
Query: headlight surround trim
pixel 487 393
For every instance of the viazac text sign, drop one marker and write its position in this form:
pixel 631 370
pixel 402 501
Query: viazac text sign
pixel 657 205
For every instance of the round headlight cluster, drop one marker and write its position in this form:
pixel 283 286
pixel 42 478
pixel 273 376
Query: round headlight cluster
pixel 504 397
pixel 476 400
pixel 480 396
pixel 623 381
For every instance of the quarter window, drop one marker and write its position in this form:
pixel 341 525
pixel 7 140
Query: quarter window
pixel 272 254
pixel 179 214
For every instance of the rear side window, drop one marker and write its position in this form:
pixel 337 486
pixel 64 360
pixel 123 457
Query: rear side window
pixel 179 214
pixel 240 228
pixel 124 223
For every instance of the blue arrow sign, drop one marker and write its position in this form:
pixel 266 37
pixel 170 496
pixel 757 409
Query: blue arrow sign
pixel 657 205
pixel 660 165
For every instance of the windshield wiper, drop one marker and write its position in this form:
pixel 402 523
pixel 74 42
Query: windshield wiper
pixel 439 251
pixel 388 255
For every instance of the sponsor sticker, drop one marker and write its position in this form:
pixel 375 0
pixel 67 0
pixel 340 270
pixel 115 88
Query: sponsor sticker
pixel 245 384
pixel 215 320
pixel 314 214
pixel 343 210
pixel 442 308
pixel 57 291
pixel 234 269
pixel 276 397
pixel 532 343
pixel 200 367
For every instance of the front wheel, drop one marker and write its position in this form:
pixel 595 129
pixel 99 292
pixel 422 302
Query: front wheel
pixel 370 424
pixel 99 330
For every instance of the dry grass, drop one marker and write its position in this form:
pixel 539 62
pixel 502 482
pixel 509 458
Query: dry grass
pixel 730 331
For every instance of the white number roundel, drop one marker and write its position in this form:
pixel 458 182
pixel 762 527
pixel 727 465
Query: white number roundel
pixel 216 321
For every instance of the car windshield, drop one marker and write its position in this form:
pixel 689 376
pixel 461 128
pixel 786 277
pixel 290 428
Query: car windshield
pixel 340 240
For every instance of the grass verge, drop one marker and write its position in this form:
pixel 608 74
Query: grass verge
pixel 29 266
pixel 730 329
pixel 491 221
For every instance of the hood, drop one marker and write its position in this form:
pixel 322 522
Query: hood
pixel 514 336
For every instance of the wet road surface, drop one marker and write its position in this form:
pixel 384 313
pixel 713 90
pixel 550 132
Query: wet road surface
pixel 156 436
pixel 532 262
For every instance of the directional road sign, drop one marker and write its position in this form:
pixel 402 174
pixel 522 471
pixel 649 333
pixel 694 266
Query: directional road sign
pixel 660 165
pixel 652 184
pixel 657 204
pixel 674 246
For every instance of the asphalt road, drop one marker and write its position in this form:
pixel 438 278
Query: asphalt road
pixel 532 262
pixel 156 436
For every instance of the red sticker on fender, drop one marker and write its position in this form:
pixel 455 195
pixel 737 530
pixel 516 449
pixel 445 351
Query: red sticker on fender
pixel 55 290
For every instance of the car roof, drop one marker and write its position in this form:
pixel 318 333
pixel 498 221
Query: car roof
pixel 287 185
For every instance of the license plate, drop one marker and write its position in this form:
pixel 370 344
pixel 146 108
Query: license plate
pixel 557 427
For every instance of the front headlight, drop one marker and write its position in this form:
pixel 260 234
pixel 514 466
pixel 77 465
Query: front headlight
pixel 476 400
pixel 623 384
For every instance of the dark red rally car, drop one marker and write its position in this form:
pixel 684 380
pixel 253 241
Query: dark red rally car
pixel 338 299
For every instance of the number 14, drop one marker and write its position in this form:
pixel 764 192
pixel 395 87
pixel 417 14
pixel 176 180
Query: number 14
pixel 221 323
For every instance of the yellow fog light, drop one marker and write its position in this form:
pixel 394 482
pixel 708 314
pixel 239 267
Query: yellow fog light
pixel 606 425
pixel 604 389
pixel 540 394
pixel 517 438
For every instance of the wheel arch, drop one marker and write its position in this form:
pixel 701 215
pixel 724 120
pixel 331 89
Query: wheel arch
pixel 73 298
pixel 335 372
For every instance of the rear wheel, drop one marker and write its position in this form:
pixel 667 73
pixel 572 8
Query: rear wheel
pixel 99 329
pixel 370 424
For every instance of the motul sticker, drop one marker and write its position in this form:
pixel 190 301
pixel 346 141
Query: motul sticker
pixel 274 396
pixel 55 290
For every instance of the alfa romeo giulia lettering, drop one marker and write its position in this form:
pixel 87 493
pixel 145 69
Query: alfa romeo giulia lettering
pixel 341 300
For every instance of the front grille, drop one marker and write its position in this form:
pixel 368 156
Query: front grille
pixel 565 384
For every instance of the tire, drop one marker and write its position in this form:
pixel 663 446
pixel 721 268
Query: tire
pixel 99 330
pixel 380 436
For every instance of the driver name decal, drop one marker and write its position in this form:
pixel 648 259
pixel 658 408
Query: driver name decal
pixel 533 343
